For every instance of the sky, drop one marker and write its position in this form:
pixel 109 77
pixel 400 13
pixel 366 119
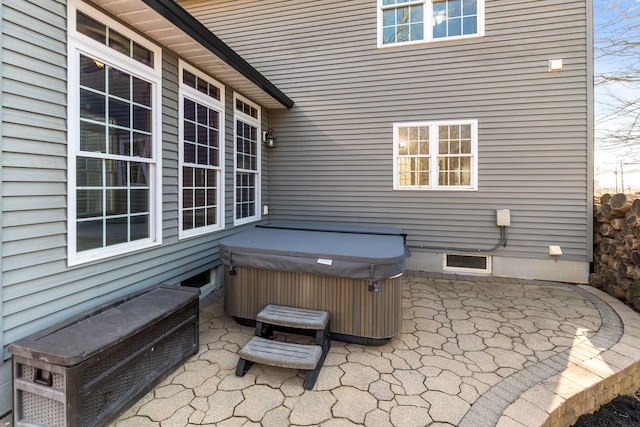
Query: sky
pixel 617 169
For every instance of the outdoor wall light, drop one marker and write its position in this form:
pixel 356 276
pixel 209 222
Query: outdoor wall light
pixel 269 139
pixel 555 65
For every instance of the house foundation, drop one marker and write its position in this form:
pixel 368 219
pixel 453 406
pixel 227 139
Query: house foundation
pixel 556 270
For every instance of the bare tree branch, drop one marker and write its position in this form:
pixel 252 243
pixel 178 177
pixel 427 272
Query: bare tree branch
pixel 617 50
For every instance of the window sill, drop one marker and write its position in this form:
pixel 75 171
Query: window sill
pixel 430 41
pixel 110 252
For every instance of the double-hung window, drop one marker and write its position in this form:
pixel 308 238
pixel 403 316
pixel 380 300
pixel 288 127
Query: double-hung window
pixel 411 21
pixel 247 161
pixel 201 153
pixel 435 156
pixel 114 86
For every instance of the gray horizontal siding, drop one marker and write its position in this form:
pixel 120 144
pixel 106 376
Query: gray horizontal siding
pixel 334 156
pixel 33 145
pixel 38 288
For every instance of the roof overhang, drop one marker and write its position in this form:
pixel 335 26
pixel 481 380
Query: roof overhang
pixel 172 26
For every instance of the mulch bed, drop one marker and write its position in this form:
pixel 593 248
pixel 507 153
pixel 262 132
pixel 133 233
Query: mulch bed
pixel 623 411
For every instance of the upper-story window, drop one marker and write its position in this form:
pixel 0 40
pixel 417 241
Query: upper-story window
pixel 201 152
pixel 247 156
pixel 435 156
pixel 413 21
pixel 114 180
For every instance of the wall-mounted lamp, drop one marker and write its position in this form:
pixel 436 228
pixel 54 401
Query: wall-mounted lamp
pixel 269 139
pixel 555 65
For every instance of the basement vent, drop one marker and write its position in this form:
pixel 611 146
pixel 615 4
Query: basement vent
pixel 198 281
pixel 467 263
pixel 207 281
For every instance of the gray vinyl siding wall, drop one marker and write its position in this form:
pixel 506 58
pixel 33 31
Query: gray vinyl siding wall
pixel 333 159
pixel 38 289
pixel 34 161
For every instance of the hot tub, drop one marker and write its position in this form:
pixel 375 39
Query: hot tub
pixel 353 272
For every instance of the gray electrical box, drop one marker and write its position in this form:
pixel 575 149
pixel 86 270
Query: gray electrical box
pixel 503 217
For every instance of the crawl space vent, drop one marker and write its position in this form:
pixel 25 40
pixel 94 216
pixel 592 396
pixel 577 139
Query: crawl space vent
pixel 467 263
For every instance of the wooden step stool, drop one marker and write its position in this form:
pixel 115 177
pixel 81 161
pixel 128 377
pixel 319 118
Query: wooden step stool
pixel 261 349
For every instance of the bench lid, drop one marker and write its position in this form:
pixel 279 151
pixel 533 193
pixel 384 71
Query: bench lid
pixel 77 339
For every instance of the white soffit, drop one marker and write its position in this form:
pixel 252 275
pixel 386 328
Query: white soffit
pixel 155 26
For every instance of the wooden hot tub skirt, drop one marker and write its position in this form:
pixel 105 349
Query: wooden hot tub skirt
pixel 358 314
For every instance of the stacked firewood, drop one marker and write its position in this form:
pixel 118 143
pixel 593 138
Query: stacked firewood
pixel 617 247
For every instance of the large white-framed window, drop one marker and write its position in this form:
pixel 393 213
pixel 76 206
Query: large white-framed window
pixel 435 155
pixel 414 21
pixel 247 158
pixel 114 132
pixel 201 153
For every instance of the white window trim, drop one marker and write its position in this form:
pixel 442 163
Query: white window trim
pixel 238 115
pixel 428 25
pixel 77 44
pixel 200 98
pixel 433 159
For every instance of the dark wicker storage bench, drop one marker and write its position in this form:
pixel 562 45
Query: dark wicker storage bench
pixel 87 370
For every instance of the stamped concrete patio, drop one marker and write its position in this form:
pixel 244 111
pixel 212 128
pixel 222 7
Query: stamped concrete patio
pixel 473 352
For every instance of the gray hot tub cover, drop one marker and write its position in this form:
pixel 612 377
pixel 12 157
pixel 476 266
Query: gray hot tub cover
pixel 337 250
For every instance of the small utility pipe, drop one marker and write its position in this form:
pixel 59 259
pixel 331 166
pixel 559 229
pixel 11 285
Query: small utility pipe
pixel 502 242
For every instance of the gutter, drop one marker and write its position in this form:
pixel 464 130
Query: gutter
pixel 182 19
